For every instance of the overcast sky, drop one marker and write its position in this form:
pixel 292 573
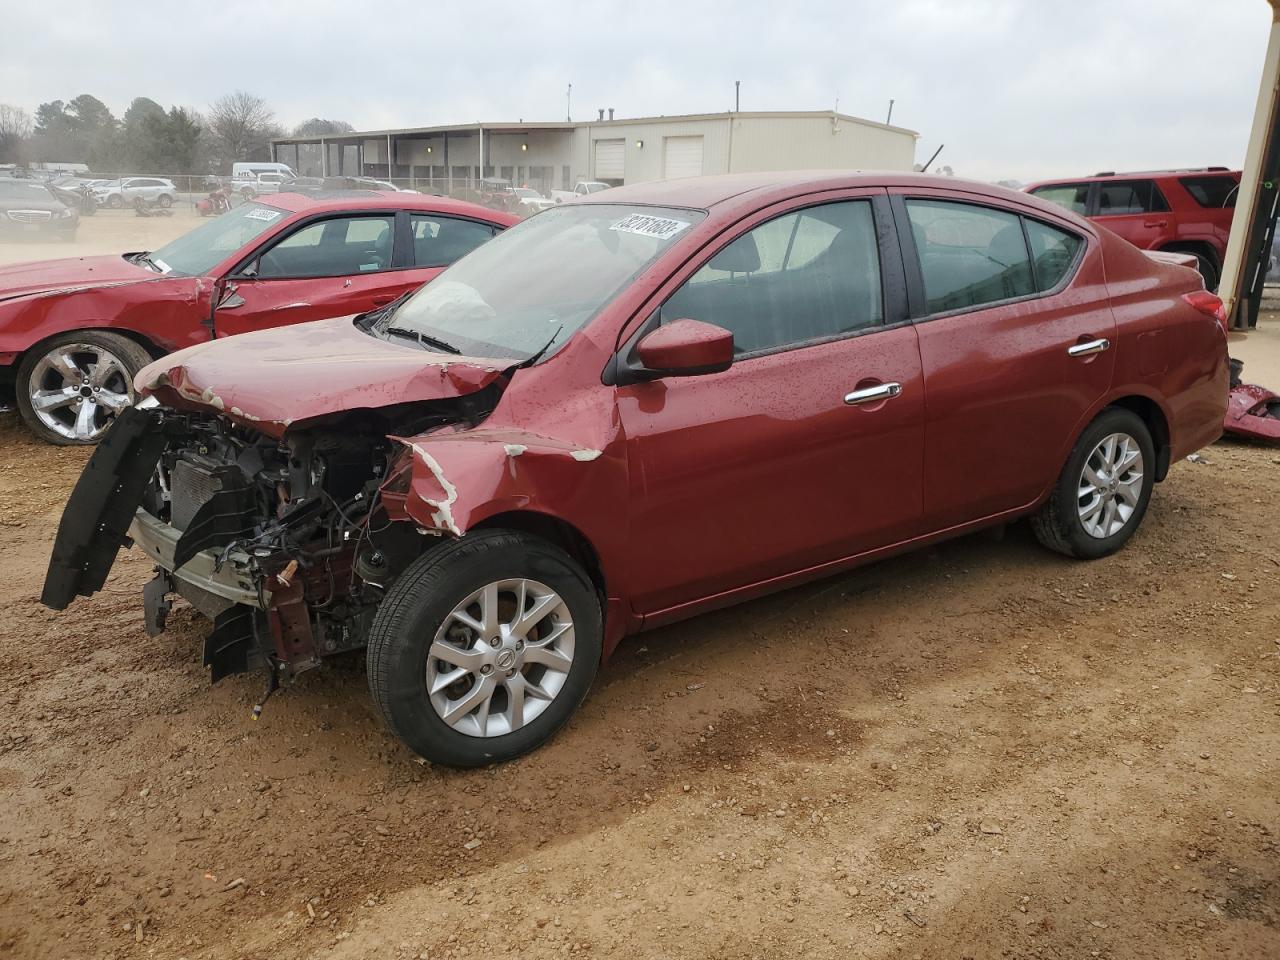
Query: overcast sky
pixel 1014 88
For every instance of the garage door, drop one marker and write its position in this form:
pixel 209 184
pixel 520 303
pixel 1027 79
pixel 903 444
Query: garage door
pixel 609 159
pixel 682 157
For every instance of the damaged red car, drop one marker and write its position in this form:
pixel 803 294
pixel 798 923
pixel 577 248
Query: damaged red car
pixel 74 332
pixel 652 402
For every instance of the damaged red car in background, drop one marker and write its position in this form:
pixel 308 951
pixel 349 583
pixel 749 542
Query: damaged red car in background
pixel 656 401
pixel 74 332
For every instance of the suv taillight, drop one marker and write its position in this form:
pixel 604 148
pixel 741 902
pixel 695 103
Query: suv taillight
pixel 1209 304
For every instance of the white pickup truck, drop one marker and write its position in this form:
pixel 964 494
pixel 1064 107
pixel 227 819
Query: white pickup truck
pixel 581 189
pixel 249 186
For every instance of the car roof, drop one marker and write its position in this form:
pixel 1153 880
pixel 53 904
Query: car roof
pixel 703 193
pixel 377 200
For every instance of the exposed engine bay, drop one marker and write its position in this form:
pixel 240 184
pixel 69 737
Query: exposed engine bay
pixel 286 545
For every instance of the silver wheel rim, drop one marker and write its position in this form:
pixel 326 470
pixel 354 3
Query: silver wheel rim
pixel 500 658
pixel 77 389
pixel 1110 486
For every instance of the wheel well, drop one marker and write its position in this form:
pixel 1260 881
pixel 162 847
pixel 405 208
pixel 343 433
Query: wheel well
pixel 151 348
pixel 1154 418
pixel 564 535
pixel 1205 250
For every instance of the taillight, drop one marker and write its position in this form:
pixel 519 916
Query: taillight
pixel 1209 304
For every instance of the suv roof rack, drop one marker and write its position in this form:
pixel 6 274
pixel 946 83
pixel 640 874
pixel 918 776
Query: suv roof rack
pixel 1134 173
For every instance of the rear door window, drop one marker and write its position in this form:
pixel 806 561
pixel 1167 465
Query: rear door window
pixel 969 254
pixel 1053 252
pixel 1214 192
pixel 1073 196
pixel 439 241
pixel 1117 198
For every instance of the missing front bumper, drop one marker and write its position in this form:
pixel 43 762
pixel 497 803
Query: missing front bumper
pixel 232 579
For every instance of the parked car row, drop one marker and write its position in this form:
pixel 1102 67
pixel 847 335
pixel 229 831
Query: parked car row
pixel 651 401
pixel 30 207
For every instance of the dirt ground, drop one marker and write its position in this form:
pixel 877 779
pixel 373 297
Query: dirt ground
pixel 980 750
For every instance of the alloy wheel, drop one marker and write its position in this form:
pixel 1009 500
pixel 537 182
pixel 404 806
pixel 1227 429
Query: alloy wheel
pixel 500 657
pixel 77 389
pixel 1110 486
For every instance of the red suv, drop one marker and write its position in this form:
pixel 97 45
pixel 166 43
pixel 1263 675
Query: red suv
pixel 654 401
pixel 1184 211
pixel 74 332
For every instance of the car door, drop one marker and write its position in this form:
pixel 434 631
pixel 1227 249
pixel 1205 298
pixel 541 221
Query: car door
pixel 808 448
pixel 1015 347
pixel 327 267
pixel 340 265
pixel 1136 210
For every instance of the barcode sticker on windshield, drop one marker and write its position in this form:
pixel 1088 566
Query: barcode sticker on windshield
pixel 262 213
pixel 660 228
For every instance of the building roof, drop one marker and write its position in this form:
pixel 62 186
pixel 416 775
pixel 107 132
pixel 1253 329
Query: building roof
pixel 523 127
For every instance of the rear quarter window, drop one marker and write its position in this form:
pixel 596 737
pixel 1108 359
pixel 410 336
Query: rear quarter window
pixel 1053 253
pixel 1213 192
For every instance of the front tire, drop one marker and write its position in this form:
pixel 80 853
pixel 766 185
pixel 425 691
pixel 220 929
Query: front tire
pixel 1103 491
pixel 166 201
pixel 484 647
pixel 71 388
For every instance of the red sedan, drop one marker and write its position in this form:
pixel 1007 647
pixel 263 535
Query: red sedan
pixel 74 332
pixel 657 401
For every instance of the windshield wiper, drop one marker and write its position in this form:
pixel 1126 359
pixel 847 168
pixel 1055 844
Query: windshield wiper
pixel 145 258
pixel 424 339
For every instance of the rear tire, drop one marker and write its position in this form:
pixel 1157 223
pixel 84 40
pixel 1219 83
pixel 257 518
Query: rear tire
pixel 166 201
pixel 1208 270
pixel 526 674
pixel 115 202
pixel 1103 491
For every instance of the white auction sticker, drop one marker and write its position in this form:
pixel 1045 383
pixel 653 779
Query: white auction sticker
pixel 641 224
pixel 262 213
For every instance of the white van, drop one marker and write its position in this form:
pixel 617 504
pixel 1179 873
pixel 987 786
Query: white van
pixel 249 170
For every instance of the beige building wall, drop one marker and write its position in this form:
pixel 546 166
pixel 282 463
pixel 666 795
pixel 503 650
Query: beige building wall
pixel 831 142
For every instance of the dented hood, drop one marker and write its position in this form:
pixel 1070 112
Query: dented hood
pixel 75 273
pixel 272 379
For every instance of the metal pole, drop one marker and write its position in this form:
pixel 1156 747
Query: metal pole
pixel 889 118
pixel 324 158
pixel 481 177
pixel 1257 196
pixel 737 90
pixel 388 156
pixel 568 105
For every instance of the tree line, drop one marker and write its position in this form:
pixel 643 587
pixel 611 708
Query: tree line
pixel 148 138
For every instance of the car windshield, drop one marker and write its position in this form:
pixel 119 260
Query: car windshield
pixel 196 253
pixel 532 287
pixel 23 190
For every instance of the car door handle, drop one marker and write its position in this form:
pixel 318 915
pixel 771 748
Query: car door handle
pixel 1088 348
pixel 1155 223
pixel 383 298
pixel 881 391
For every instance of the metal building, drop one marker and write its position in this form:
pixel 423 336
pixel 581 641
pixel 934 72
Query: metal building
pixel 556 155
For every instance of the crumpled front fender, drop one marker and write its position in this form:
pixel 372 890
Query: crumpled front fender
pixel 458 480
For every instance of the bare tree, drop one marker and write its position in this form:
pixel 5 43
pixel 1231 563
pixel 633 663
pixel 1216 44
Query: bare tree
pixel 241 125
pixel 15 131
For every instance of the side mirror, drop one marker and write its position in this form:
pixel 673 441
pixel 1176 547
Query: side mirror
pixel 685 348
